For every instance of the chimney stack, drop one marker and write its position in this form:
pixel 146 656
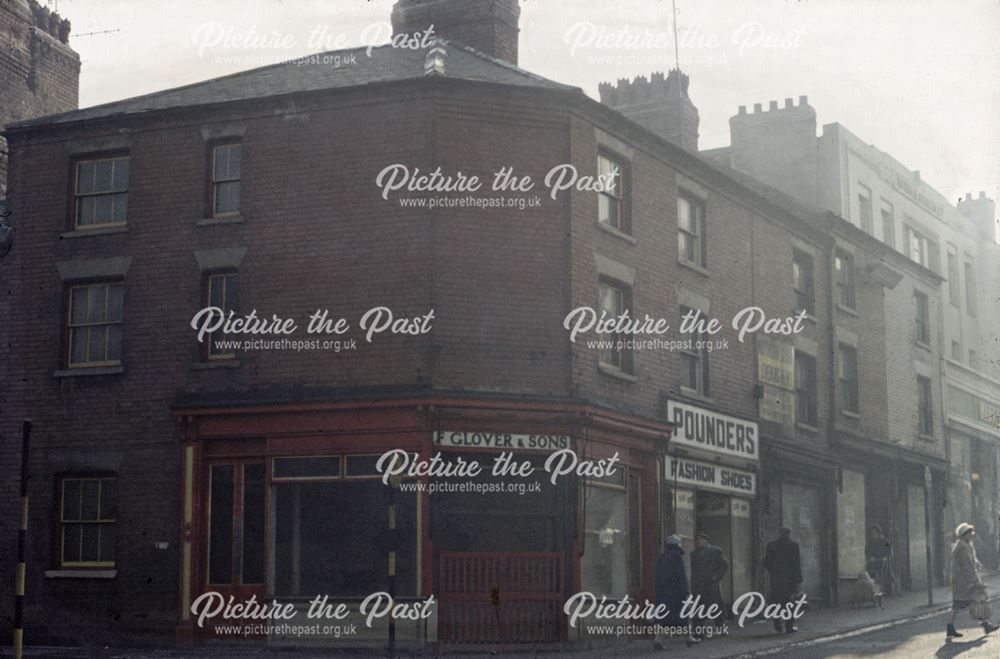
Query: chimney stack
pixel 489 26
pixel 660 104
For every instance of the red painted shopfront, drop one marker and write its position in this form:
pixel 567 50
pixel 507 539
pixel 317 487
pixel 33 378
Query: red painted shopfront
pixel 286 502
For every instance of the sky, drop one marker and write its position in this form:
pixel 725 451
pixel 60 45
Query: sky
pixel 919 79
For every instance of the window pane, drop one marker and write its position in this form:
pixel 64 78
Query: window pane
pixel 329 537
pixel 91 548
pixel 253 523
pixel 71 499
pixel 97 299
pixel 220 552
pixel 114 349
pixel 120 207
pixel 71 543
pixel 121 174
pixel 221 163
pixel 310 467
pixel 90 493
pixel 227 197
pixel 604 565
pixel 684 217
pixel 102 209
pixel 97 345
pixel 102 175
pixel 85 213
pixel 216 291
pixel 235 154
pixel 78 345
pixel 109 496
pixel 362 465
pixel 84 177
pixel 78 304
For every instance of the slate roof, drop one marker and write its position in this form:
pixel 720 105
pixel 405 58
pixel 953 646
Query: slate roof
pixel 386 64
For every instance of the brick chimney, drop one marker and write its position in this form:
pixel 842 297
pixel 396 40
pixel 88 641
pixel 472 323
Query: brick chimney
pixel 983 212
pixel 660 104
pixel 489 26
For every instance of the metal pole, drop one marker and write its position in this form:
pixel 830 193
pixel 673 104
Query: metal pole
pixel 928 491
pixel 392 566
pixel 22 533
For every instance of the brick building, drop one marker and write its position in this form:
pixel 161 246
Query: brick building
pixel 952 323
pixel 166 468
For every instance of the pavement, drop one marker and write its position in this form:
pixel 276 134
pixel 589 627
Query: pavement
pixel 905 627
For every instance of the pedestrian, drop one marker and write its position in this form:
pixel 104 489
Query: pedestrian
pixel 781 560
pixel 966 584
pixel 878 551
pixel 708 567
pixel 672 590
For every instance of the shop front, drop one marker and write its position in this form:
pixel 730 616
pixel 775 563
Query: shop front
pixel 710 483
pixel 491 515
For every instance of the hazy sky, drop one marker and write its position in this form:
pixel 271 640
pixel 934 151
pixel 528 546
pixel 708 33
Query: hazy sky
pixel 919 79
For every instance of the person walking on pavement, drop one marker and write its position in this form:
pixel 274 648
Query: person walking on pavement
pixel 966 584
pixel 708 567
pixel 672 589
pixel 878 551
pixel 781 560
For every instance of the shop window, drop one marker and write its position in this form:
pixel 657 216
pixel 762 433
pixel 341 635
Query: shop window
pixel 848 379
pixel 95 324
pixel 802 281
pixel 237 519
pixel 691 231
pixel 604 567
pixel 87 521
pixel 226 171
pixel 306 467
pixel 843 264
pixel 805 389
pixel 101 192
pixel 694 356
pixel 612 209
pixel 924 404
pixel 331 537
pixel 222 291
pixel 922 320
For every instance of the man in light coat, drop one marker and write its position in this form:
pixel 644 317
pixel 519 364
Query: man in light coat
pixel 966 585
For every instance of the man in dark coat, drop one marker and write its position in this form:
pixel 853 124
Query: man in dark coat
pixel 708 567
pixel 672 587
pixel 782 562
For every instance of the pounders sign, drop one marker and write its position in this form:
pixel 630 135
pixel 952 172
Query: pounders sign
pixel 710 431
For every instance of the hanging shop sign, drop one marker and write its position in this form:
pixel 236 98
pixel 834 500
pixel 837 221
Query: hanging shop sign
pixel 710 431
pixel 500 441
pixel 702 475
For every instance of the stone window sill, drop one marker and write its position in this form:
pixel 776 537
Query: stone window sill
pixel 215 221
pixel 926 438
pixel 694 394
pixel 84 371
pixel 616 372
pixel 806 427
pixel 81 574
pixel 922 344
pixel 850 415
pixel 691 265
pixel 848 310
pixel 87 233
pixel 617 233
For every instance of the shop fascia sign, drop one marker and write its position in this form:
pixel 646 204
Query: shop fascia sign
pixel 705 476
pixel 500 441
pixel 710 431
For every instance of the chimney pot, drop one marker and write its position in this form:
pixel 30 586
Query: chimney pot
pixel 982 194
pixel 803 100
pixel 773 105
pixel 788 102
pixel 743 109
pixel 968 196
pixel 757 107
